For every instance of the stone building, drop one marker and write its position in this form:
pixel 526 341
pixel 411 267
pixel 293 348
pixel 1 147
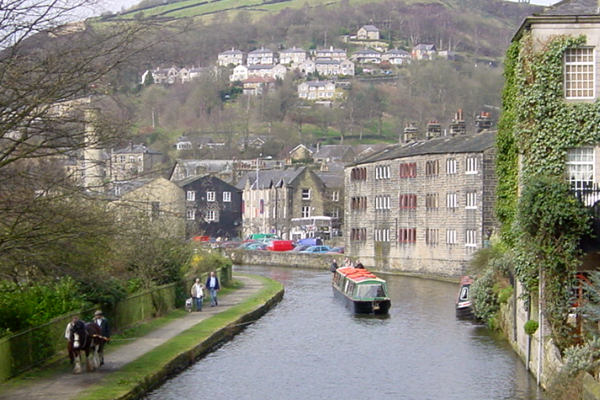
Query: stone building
pixel 230 57
pixel 422 207
pixel 272 198
pixel 132 161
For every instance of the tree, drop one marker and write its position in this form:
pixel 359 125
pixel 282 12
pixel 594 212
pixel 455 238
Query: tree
pixel 51 75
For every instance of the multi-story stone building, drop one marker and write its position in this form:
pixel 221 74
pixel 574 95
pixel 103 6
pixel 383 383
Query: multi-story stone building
pixel 230 57
pixel 317 90
pixel 423 206
pixel 272 198
pixel 260 56
pixel 331 54
pixel 293 56
pixel 328 67
pixel 132 161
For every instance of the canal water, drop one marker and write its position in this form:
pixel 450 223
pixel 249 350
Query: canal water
pixel 311 347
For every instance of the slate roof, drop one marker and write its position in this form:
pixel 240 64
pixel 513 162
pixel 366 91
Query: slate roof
pixel 334 177
pixel 423 46
pixel 136 148
pixel 398 52
pixel 367 52
pixel 370 28
pixel 268 177
pixel 294 50
pixel 318 83
pixel 442 145
pixel 231 52
pixel 261 51
pixel 573 7
pixel 332 151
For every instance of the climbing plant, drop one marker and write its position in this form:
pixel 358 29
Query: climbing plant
pixel 538 125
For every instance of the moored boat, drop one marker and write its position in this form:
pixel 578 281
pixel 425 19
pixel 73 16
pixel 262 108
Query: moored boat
pixel 361 290
pixel 464 306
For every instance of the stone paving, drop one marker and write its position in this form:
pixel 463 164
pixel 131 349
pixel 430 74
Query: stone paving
pixel 68 385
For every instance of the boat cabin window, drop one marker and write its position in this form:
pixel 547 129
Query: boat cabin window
pixel 464 293
pixel 371 291
pixel 349 289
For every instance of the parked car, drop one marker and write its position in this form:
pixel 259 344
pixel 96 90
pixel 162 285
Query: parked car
pixel 280 245
pixel 256 246
pixel 230 244
pixel 337 250
pixel 316 249
pixel 245 244
pixel 300 247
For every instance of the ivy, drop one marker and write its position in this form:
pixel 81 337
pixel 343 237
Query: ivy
pixel 535 131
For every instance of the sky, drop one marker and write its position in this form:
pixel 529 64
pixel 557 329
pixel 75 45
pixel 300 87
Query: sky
pixel 117 5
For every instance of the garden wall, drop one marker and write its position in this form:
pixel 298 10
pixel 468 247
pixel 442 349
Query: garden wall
pixel 34 346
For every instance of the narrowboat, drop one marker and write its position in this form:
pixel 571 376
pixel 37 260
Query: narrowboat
pixel 361 290
pixel 464 307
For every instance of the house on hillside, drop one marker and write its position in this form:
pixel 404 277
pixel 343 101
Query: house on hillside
pixel 183 169
pixel 230 57
pixel 257 85
pixel 367 56
pixel 308 66
pixel 423 51
pixel 396 57
pixel 368 32
pixel 334 67
pixel 239 73
pixel 299 153
pixel 292 56
pixel 132 161
pixel 317 90
pixel 267 71
pixel 261 56
pixel 272 198
pixel 330 54
pixel 212 207
pixel 334 153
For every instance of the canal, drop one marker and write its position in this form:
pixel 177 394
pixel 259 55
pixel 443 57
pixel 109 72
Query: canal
pixel 311 347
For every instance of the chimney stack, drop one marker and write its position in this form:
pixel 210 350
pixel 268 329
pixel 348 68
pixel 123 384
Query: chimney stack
pixel 483 121
pixel 410 133
pixel 434 129
pixel 458 126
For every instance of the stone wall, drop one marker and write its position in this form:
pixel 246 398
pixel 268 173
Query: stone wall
pixel 286 258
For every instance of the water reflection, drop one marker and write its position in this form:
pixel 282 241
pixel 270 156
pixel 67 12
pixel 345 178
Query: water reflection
pixel 311 346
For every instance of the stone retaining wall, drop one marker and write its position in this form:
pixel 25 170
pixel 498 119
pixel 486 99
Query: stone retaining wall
pixel 286 258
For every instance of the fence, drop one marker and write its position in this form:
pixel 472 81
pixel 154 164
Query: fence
pixel 34 346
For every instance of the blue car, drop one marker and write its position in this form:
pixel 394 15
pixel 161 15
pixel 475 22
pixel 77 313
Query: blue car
pixel 316 249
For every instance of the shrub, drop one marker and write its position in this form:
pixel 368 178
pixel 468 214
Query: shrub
pixel 584 357
pixel 504 294
pixel 531 327
pixel 485 300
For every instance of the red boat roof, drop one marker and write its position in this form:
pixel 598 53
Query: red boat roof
pixel 356 274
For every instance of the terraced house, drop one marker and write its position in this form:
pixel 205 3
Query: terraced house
pixel 423 206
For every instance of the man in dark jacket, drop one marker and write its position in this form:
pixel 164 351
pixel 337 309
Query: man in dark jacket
pixel 105 331
pixel 212 284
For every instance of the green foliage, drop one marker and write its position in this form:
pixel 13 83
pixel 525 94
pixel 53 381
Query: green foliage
pixel 504 294
pixel 22 307
pixel 531 327
pixel 545 227
pixel 485 300
pixel 584 357
pixel 204 261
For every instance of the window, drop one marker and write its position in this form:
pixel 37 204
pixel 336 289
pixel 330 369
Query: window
pixel 155 213
pixel 358 234
pixel 358 174
pixel 226 197
pixel 305 194
pixel 382 235
pixel 432 168
pixel 451 200
pixel 471 238
pixel 471 167
pixel 432 236
pixel 382 172
pixel 335 196
pixel 471 200
pixel 210 196
pixel 451 166
pixel 408 170
pixel 579 73
pixel 211 215
pixel 407 235
pixel 335 213
pixel 191 195
pixel 451 236
pixel 382 202
pixel 580 167
pixel 190 214
pixel 431 201
pixel 305 211
pixel 408 201
pixel 358 203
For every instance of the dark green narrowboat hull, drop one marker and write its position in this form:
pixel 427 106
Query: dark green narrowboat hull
pixel 377 307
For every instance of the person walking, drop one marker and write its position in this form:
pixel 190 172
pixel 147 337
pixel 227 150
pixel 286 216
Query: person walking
pixel 198 294
pixel 212 283
pixel 334 266
pixel 104 331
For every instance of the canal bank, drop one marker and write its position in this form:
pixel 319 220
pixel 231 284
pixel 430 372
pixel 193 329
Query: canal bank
pixel 137 367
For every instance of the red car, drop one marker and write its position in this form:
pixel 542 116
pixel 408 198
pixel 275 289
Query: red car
pixel 281 245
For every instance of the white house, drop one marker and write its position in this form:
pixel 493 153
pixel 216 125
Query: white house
pixel 331 54
pixel 367 32
pixel 367 56
pixel 230 57
pixel 424 51
pixel 396 57
pixel 292 56
pixel 261 56
pixel 239 73
pixel 316 90
pixel 267 71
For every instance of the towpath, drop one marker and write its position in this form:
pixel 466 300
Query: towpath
pixel 68 385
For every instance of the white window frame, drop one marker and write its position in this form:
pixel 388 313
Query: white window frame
pixel 451 237
pixel 472 165
pixel 335 196
pixel 191 195
pixel 226 197
pixel 190 214
pixel 451 200
pixel 471 200
pixel 306 211
pixel 451 166
pixel 471 238
pixel 211 196
pixel 574 70
pixel 211 215
pixel 306 194
pixel 581 170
